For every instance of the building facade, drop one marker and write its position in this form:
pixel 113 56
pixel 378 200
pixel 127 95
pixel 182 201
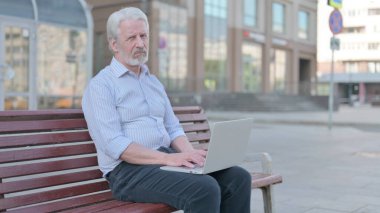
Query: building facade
pixel 200 46
pixel 357 63
pixel 49 49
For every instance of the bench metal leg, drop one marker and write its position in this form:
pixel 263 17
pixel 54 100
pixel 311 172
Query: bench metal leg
pixel 267 197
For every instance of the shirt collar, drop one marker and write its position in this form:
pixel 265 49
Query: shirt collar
pixel 119 69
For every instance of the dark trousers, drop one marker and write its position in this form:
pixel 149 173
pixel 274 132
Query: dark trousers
pixel 228 190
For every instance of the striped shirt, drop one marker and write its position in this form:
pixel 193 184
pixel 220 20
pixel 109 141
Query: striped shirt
pixel 121 107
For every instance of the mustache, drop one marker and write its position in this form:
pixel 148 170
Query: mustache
pixel 139 50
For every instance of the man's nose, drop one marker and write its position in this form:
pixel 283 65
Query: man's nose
pixel 139 41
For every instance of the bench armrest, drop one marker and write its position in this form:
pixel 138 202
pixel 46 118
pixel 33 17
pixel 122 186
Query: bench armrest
pixel 264 158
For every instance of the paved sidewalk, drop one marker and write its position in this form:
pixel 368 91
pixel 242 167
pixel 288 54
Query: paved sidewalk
pixel 324 171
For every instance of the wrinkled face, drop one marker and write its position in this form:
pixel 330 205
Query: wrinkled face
pixel 132 45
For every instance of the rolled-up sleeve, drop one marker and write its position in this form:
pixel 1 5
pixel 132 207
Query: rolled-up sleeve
pixel 103 121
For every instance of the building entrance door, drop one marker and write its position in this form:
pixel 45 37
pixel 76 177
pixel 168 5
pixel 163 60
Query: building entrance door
pixel 304 80
pixel 16 66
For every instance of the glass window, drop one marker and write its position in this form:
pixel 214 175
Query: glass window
pixel 352 67
pixel 215 46
pixel 373 11
pixel 278 18
pixel 61 66
pixel 172 48
pixel 277 70
pixel 251 67
pixel 250 13
pixel 17 57
pixel 303 24
pixel 19 8
pixel 372 67
pixel 67 12
pixel 100 50
pixel 373 45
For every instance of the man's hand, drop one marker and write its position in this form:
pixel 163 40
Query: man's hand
pixel 188 159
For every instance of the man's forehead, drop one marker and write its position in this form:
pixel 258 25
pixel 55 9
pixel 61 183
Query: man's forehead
pixel 133 26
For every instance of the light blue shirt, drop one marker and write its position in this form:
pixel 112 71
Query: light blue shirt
pixel 121 107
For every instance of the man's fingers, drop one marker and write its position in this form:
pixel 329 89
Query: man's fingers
pixel 202 152
pixel 188 164
pixel 198 159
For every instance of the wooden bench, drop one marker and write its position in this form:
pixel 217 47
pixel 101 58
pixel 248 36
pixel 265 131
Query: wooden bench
pixel 48 163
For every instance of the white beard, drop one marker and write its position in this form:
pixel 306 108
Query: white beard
pixel 137 61
pixel 134 61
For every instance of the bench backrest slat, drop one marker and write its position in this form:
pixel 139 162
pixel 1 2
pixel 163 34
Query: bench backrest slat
pixel 192 118
pixel 198 127
pixel 41 182
pixel 43 139
pixel 42 153
pixel 45 167
pixel 187 110
pixel 200 137
pixel 39 197
pixel 70 203
pixel 47 125
pixel 33 115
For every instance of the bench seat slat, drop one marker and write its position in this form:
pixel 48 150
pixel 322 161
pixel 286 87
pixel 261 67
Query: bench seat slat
pixel 28 199
pixel 98 207
pixel 141 208
pixel 42 153
pixel 69 203
pixel 54 180
pixel 42 167
pixel 43 139
pixel 42 125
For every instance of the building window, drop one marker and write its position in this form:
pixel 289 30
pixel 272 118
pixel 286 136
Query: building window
pixel 172 46
pixel 374 11
pixel 277 70
pixel 251 67
pixel 17 46
pixel 250 13
pixel 215 46
pixel 360 29
pixel 278 18
pixel 376 28
pixel 374 67
pixel 352 67
pixel 303 24
pixel 373 46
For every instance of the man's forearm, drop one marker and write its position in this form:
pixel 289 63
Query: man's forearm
pixel 182 144
pixel 138 154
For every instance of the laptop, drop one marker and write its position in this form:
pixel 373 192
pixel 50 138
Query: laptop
pixel 227 147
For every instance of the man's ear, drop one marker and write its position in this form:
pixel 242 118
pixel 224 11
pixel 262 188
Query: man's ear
pixel 112 43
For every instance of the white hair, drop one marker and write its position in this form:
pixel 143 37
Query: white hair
pixel 128 13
